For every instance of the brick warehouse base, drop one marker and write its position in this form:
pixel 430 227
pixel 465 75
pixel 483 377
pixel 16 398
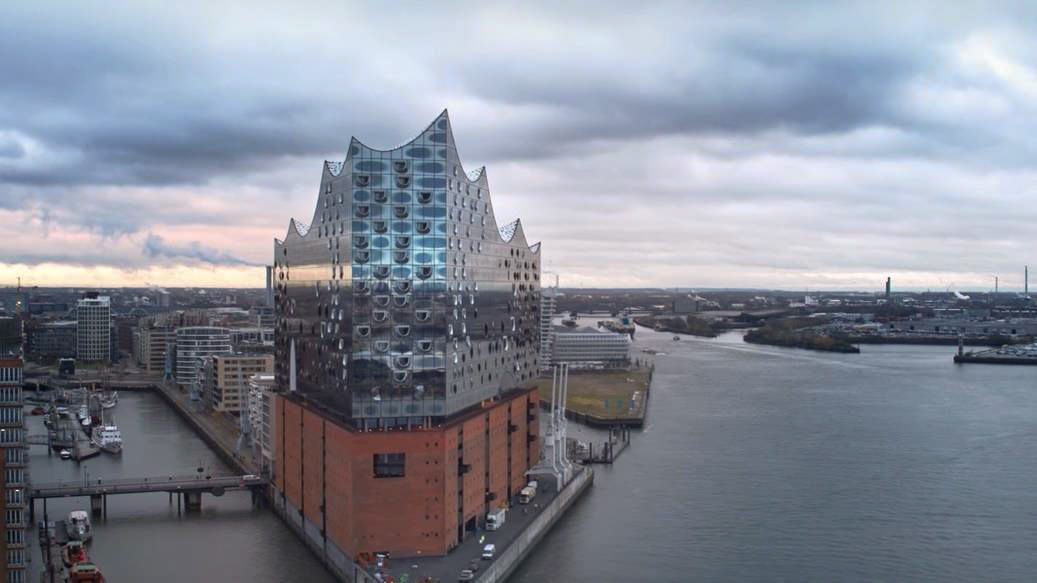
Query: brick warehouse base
pixel 414 492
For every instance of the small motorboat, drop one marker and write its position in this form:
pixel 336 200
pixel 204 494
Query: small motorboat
pixel 66 454
pixel 77 525
pixel 74 552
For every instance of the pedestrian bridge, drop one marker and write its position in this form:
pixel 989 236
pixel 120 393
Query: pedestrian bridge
pixel 149 484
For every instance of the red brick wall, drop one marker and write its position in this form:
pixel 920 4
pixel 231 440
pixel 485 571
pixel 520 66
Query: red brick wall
pixel 409 515
pixel 313 462
pixel 499 455
pixel 339 488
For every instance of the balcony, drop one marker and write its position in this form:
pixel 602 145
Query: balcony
pixel 512 428
pixel 463 468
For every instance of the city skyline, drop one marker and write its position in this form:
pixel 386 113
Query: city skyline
pixel 820 149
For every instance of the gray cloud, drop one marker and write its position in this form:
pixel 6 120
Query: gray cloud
pixel 156 247
pixel 865 129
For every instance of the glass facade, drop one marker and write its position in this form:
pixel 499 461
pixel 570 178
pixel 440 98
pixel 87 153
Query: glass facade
pixel 404 301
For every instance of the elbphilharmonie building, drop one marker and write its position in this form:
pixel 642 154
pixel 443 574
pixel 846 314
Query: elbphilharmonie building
pixel 404 314
pixel 404 299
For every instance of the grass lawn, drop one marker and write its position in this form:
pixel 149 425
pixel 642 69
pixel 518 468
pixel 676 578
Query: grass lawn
pixel 589 391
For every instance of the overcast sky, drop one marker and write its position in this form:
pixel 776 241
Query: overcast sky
pixel 646 144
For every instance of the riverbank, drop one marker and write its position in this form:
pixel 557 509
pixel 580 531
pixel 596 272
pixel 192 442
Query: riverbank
pixel 678 325
pixel 799 333
pixel 941 340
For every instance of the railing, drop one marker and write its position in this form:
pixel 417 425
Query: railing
pixel 137 485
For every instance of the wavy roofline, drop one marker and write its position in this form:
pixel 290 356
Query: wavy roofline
pixel 477 177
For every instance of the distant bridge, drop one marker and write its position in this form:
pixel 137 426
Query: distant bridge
pixel 189 489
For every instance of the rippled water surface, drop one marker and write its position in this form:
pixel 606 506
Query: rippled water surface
pixel 770 464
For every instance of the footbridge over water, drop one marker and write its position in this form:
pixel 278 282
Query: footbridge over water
pixel 187 489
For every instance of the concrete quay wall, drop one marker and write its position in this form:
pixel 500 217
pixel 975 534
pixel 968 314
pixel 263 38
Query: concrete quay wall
pixel 519 549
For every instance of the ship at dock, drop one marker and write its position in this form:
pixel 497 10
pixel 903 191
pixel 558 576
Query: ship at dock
pixel 77 526
pixel 108 438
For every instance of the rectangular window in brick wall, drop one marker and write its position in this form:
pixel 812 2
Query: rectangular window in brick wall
pixel 389 465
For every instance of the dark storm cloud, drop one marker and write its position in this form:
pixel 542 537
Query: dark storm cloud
pixel 156 247
pixel 165 122
pixel 132 103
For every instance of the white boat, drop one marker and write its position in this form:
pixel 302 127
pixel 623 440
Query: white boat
pixel 66 454
pixel 108 438
pixel 77 525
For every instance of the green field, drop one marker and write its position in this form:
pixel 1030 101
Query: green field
pixel 604 394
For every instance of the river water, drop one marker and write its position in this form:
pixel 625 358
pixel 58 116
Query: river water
pixel 769 464
pixel 757 464
pixel 144 539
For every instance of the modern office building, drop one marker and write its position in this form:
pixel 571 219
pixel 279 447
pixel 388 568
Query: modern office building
pixel 227 388
pixel 50 340
pixel 150 345
pixel 11 336
pixel 587 346
pixel 94 329
pixel 193 345
pixel 548 305
pixel 406 349
pixel 261 417
pixel 251 337
pixel 13 464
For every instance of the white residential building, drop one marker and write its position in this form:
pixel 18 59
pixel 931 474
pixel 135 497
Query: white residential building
pixel 590 345
pixel 261 417
pixel 193 345
pixel 548 305
pixel 94 329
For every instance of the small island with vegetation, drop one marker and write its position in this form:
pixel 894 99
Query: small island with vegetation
pixel 799 332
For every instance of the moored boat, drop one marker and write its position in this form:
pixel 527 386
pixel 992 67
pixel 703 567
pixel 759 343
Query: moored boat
pixel 77 525
pixel 74 552
pixel 108 438
pixel 66 454
pixel 85 572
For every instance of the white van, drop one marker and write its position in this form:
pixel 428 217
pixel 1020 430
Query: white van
pixel 488 551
